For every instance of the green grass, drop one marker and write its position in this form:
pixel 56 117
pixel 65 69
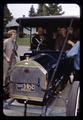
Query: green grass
pixel 23 41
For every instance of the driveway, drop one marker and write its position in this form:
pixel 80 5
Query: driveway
pixel 22 50
pixel 58 107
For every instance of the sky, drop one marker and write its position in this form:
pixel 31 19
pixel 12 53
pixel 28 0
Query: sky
pixel 18 10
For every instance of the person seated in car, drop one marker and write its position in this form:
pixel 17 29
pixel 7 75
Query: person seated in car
pixel 70 39
pixel 40 40
pixel 53 40
pixel 60 37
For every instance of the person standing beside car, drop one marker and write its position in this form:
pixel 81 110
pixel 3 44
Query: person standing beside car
pixel 74 52
pixel 9 53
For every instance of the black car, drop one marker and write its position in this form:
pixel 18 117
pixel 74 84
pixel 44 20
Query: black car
pixel 42 74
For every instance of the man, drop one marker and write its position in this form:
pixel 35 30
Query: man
pixel 75 53
pixel 9 54
pixel 70 39
pixel 60 37
pixel 40 40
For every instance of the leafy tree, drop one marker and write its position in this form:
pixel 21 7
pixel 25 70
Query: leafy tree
pixel 49 9
pixel 7 15
pixel 45 10
pixel 54 9
pixel 40 10
pixel 32 11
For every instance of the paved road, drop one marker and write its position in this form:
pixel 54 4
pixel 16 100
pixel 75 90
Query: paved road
pixel 58 107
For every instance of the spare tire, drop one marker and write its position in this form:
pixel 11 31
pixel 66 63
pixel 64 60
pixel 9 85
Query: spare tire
pixel 72 108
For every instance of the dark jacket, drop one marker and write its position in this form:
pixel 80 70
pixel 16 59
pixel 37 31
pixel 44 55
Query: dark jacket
pixel 38 43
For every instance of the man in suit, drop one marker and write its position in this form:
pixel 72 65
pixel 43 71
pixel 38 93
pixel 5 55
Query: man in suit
pixel 40 40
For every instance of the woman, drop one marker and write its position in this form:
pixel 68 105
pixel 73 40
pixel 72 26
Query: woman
pixel 9 54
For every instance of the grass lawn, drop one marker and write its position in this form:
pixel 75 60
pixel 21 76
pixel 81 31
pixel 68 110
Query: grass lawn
pixel 23 41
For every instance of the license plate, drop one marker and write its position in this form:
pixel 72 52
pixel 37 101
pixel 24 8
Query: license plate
pixel 26 87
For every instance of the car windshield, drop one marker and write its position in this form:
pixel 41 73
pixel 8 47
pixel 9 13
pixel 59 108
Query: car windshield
pixel 51 31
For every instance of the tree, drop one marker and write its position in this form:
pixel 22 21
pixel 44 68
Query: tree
pixel 40 10
pixel 49 9
pixel 54 9
pixel 45 10
pixel 7 15
pixel 32 11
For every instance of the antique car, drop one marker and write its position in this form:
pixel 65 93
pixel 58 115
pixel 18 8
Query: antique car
pixel 42 74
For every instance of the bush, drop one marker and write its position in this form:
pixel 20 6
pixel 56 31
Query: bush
pixel 23 41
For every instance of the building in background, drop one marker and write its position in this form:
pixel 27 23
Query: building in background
pixel 21 32
pixel 13 25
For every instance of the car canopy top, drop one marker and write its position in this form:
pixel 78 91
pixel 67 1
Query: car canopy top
pixel 49 21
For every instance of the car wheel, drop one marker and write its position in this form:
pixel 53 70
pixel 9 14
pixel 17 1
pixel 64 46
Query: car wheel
pixel 72 108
